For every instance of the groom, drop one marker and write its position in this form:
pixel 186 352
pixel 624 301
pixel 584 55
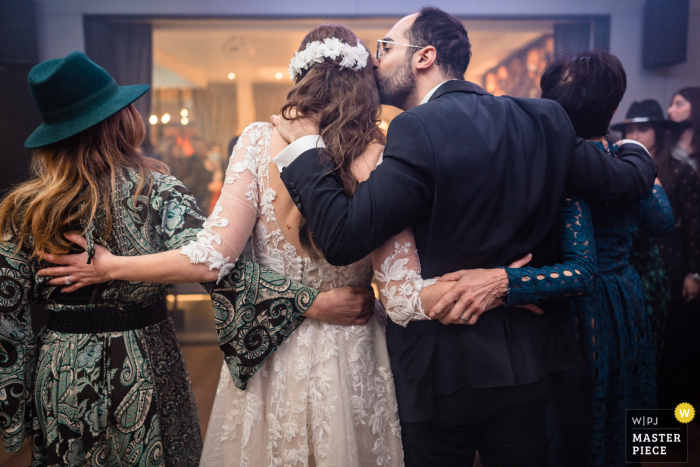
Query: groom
pixel 481 180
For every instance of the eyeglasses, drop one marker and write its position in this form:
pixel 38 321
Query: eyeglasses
pixel 382 41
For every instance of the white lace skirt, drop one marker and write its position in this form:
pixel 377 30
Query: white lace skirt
pixel 324 398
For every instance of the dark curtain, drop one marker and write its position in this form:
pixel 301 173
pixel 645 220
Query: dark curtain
pixel 125 50
pixel 216 109
pixel 19 115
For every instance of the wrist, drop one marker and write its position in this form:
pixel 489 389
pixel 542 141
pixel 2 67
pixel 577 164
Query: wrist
pixel 111 265
pixel 501 282
pixel 317 308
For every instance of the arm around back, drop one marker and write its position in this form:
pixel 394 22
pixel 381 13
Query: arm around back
pixel 396 193
pixel 597 175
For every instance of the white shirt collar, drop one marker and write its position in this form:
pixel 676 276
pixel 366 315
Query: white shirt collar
pixel 432 91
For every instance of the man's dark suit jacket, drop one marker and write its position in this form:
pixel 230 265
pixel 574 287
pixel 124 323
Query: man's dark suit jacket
pixel 481 180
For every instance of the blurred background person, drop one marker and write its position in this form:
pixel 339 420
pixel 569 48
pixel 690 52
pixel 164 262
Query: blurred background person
pixel 685 109
pixel 214 165
pixel 679 380
pixel 662 275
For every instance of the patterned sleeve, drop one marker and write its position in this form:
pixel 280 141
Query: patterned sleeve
pixel 574 276
pixel 657 214
pixel 177 217
pixel 18 349
pixel 255 310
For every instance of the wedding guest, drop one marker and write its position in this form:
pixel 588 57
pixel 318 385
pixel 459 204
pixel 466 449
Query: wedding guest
pixel 613 327
pixel 685 109
pixel 680 250
pixel 679 380
pixel 658 260
pixel 106 375
pixel 105 382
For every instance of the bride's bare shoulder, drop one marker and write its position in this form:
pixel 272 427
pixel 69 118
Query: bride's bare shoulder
pixel 367 162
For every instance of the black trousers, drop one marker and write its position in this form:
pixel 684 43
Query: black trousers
pixel 506 425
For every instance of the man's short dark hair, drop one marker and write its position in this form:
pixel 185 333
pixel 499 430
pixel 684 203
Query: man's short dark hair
pixel 447 34
pixel 589 86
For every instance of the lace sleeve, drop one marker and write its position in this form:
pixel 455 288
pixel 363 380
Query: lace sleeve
pixel 397 271
pixel 228 228
pixel 657 215
pixel 574 276
pixel 18 350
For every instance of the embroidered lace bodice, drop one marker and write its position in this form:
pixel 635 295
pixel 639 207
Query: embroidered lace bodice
pixel 247 205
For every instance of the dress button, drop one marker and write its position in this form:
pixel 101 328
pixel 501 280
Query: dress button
pixel 299 206
pixel 291 185
pixel 296 200
pixel 293 192
pixel 284 168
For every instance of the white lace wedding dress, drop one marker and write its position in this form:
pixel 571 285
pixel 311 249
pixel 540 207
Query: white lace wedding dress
pixel 326 396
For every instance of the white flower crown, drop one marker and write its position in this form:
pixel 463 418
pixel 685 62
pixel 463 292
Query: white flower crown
pixel 354 58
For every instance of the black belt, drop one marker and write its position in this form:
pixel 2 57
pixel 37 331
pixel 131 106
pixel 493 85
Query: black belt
pixel 107 319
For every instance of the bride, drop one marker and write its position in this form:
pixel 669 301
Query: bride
pixel 326 396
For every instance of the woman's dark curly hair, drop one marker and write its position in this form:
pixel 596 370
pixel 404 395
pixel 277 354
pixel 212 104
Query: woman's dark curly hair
pixel 589 86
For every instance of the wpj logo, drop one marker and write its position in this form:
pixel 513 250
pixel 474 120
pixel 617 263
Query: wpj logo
pixel 658 435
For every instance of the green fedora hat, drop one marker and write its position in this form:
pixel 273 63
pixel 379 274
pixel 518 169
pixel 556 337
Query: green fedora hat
pixel 73 94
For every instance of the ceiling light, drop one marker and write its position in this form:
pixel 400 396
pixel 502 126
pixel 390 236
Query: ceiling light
pixel 231 75
pixel 184 113
pixel 153 119
pixel 165 118
pixel 279 75
pixel 184 120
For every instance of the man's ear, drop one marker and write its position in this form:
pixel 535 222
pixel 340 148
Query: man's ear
pixel 425 57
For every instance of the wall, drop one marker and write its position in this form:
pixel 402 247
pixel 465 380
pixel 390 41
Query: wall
pixel 61 28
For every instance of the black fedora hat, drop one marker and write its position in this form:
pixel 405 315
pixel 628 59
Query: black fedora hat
pixel 647 111
pixel 73 94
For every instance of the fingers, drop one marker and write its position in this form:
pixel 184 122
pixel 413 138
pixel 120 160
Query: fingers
pixel 444 312
pixel 61 280
pixel 447 300
pixel 461 308
pixel 453 276
pixel 533 308
pixel 64 259
pixel 56 272
pixel 53 259
pixel 74 287
pixel 78 240
pixel 521 262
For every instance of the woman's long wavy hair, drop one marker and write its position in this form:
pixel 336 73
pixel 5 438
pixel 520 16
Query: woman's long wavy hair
pixel 347 108
pixel 692 95
pixel 72 180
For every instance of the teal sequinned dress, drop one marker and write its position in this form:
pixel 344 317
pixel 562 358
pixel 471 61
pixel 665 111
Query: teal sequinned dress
pixel 124 397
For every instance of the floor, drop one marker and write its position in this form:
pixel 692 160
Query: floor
pixel 204 365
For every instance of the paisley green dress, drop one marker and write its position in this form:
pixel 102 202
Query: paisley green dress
pixel 125 398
